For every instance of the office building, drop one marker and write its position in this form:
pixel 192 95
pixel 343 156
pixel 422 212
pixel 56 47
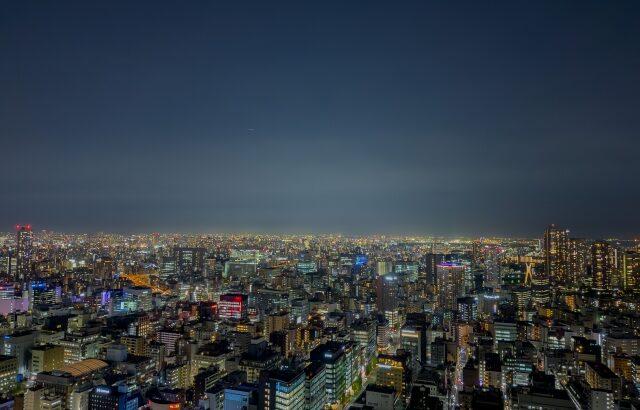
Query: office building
pixel 24 252
pixel 394 370
pixel 189 260
pixel 232 306
pixel 332 355
pixel 556 254
pixel 601 266
pixel 284 390
pixel 120 397
pixel 431 262
pixel 8 373
pixel 450 284
pixel 46 358
pixel 387 292
pixel 315 393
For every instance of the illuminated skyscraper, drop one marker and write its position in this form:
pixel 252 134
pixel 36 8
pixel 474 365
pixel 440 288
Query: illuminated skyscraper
pixel 431 261
pixel 168 267
pixel 540 288
pixel 387 292
pixel 384 267
pixel 24 245
pixel 467 308
pixel 232 306
pixel 189 260
pixel 631 271
pixel 578 259
pixel 450 283
pixel 601 269
pixel 387 289
pixel 556 253
pixel 104 268
pixel 284 389
pixel 395 371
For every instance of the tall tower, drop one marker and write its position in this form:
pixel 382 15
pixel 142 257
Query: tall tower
pixel 387 289
pixel 601 268
pixel 450 277
pixel 540 289
pixel 556 254
pixel 431 262
pixel 387 292
pixel 24 249
pixel 631 271
pixel 578 259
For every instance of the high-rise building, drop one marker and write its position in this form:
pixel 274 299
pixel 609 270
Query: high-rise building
pixel 540 287
pixel 114 397
pixel 24 250
pixel 134 344
pixel 276 322
pixel 315 386
pixel 578 259
pixel 467 309
pixel 240 397
pixel 521 298
pixel 631 271
pixel 19 344
pixel 141 295
pixel 556 254
pixel 232 306
pixel 413 339
pixel 178 376
pixel 450 284
pixel 387 292
pixel 8 373
pixel 505 332
pixel 169 339
pixel 43 294
pixel 80 346
pixel 332 355
pixel 189 260
pixel 599 376
pixel 364 332
pixel 284 390
pixel 299 311
pixel 431 262
pixel 104 268
pixel 168 267
pixel 384 267
pixel 258 358
pixel 10 302
pixel 46 358
pixel 409 269
pixel 307 266
pixel 395 371
pixel 41 398
pixel 601 269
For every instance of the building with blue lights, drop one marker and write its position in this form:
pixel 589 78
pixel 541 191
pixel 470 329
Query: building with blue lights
pixel 284 390
pixel 332 354
pixel 121 397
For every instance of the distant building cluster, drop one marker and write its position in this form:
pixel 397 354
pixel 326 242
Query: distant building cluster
pixel 226 322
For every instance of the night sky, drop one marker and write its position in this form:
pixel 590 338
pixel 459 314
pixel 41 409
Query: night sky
pixel 479 117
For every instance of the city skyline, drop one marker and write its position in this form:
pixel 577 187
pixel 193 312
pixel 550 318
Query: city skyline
pixel 416 118
pixel 475 236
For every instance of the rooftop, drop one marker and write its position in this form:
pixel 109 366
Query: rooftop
pixel 84 367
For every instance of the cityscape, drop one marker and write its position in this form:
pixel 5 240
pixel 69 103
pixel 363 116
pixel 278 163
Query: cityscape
pixel 174 321
pixel 319 205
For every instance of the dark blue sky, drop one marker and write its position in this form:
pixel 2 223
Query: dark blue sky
pixel 341 116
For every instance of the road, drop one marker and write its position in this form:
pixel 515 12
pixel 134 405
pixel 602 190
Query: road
pixel 457 377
